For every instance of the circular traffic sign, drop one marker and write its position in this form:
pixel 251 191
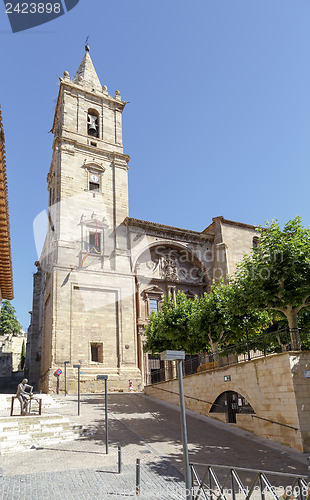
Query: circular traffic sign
pixel 59 371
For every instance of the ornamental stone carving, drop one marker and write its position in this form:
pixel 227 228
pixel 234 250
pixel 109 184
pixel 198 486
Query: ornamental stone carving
pixel 169 264
pixel 169 269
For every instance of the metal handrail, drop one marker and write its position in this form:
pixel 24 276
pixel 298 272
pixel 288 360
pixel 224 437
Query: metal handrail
pixel 222 406
pixel 274 422
pixel 191 397
pixel 210 486
pixel 257 348
pixel 246 469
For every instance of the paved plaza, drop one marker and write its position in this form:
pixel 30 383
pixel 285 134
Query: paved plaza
pixel 145 428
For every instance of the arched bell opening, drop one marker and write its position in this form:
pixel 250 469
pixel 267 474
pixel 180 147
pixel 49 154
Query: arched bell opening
pixel 93 123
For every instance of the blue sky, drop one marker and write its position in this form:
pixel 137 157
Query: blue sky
pixel 218 120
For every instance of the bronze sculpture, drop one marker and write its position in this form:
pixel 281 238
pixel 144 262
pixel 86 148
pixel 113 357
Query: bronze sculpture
pixel 24 394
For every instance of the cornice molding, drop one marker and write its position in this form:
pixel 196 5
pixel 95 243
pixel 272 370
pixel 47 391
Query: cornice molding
pixel 82 148
pixel 153 228
pixel 66 83
pixel 233 223
pixel 93 165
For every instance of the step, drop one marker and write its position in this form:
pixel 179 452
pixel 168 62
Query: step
pixel 23 433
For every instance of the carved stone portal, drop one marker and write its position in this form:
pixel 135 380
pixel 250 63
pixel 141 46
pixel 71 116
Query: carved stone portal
pixel 169 264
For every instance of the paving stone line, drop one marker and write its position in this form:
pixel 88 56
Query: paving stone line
pixel 91 484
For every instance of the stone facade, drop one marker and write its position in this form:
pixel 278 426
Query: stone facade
pixel 275 386
pixel 101 272
pixel 10 354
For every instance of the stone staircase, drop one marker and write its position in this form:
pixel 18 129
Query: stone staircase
pixel 31 432
pixel 22 433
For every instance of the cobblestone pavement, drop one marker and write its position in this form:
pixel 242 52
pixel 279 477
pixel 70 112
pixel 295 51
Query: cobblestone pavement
pixel 90 484
pixel 145 428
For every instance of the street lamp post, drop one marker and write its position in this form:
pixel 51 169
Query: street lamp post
pixel 66 363
pixel 78 367
pixel 179 356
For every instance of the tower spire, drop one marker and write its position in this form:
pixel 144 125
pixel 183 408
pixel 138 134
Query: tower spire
pixel 86 74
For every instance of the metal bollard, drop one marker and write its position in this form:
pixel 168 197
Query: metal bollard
pixel 119 459
pixel 138 477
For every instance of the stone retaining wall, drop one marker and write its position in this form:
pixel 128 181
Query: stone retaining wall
pixel 275 386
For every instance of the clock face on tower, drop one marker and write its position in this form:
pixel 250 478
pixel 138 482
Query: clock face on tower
pixel 94 178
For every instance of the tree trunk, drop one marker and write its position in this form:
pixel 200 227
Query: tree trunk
pixel 283 346
pixel 293 326
pixel 215 349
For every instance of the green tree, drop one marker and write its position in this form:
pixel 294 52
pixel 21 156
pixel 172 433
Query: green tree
pixel 214 319
pixel 276 275
pixel 212 322
pixel 172 326
pixel 223 321
pixel 9 324
pixel 23 355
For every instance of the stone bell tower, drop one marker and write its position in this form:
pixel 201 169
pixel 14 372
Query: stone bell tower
pixel 85 307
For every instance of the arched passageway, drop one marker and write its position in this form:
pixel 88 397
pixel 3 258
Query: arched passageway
pixel 231 403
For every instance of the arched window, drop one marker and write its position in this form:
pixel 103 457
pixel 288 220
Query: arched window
pixel 93 123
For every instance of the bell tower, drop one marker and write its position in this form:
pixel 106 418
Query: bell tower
pixel 88 159
pixel 87 286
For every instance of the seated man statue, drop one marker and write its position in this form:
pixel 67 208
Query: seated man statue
pixel 23 395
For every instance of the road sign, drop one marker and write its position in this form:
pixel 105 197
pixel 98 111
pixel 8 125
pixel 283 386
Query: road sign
pixel 102 377
pixel 59 371
pixel 172 355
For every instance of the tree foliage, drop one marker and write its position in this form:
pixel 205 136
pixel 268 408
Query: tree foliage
pixel 9 324
pixel 172 326
pixel 272 281
pixel 276 275
pixel 215 318
pixel 206 324
pixel 23 355
pixel 225 320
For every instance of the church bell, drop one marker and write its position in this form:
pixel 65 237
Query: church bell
pixel 92 127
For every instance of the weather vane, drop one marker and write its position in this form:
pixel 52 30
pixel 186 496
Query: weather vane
pixel 86 44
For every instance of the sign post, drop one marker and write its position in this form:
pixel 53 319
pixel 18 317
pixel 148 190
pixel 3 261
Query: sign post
pixel 179 356
pixel 66 363
pixel 58 372
pixel 105 378
pixel 78 367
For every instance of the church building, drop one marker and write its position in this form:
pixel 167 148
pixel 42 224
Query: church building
pixel 101 272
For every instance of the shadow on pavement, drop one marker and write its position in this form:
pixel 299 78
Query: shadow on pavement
pixel 135 419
